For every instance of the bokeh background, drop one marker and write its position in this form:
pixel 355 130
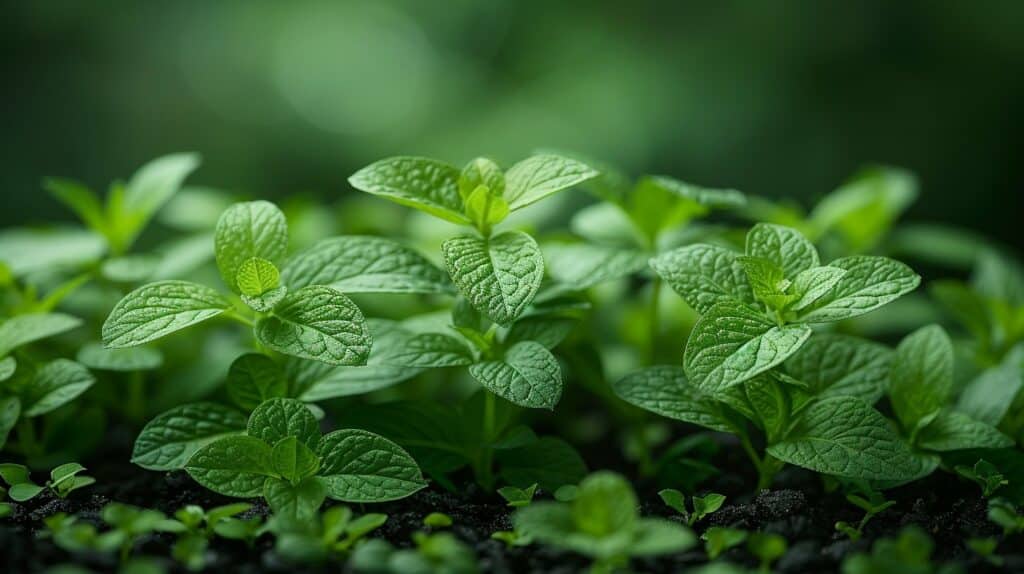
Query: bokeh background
pixel 782 99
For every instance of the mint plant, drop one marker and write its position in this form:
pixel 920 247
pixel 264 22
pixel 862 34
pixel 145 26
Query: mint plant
pixel 872 503
pixel 335 532
pixel 64 480
pixel 984 474
pixel 752 357
pixel 702 505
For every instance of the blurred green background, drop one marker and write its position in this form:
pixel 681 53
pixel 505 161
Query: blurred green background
pixel 777 99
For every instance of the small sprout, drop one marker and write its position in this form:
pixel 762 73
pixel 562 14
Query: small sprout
pixel 871 503
pixel 718 539
pixel 512 538
pixel 63 481
pixel 335 533
pixel 437 520
pixel 245 529
pixel 985 475
pixel 1004 513
pixel 986 548
pixel 518 497
pixel 909 552
pixel 702 505
pixel 768 548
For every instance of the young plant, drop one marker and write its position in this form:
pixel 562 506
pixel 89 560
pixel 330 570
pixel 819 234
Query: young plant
pixel 719 539
pixel 518 497
pixel 1005 514
pixel 702 505
pixel 439 553
pixel 437 520
pixel 282 457
pixel 752 356
pixel 767 547
pixel 984 474
pixel 603 523
pixel 334 533
pixel 64 480
pixel 872 503
pixel 128 525
pixel 199 527
pixel 908 553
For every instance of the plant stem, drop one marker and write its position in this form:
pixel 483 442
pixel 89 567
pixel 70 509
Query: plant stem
pixel 766 467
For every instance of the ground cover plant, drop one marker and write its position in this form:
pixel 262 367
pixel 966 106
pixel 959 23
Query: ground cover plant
pixel 196 381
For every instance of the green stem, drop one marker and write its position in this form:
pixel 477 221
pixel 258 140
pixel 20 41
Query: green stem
pixel 766 467
pixel 234 315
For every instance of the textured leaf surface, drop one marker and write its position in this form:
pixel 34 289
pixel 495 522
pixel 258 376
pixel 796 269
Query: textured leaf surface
pixel 95 356
pixel 989 396
pixel 583 265
pixel 539 176
pixel 844 436
pixel 922 375
pixel 704 275
pixel 812 284
pixel 247 230
pixel 425 184
pixel 784 246
pixel 956 431
pixel 733 343
pixel 256 276
pixel 364 264
pixel 293 460
pixel 664 390
pixel 428 350
pixel 499 276
pixel 254 378
pixel 169 440
pixel 277 419
pixel 158 309
pixel 528 375
pixel 318 323
pixel 23 329
pixel 832 364
pixel 56 383
pixel 295 503
pixel 232 466
pixel 359 466
pixel 869 283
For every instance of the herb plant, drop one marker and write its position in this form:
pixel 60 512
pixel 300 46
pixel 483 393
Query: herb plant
pixel 64 480
pixel 702 505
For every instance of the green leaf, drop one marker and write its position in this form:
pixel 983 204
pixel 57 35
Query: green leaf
pixel 254 378
pixel 80 199
pixel 844 436
pixel 527 375
pixel 869 283
pixel 55 384
pixel 956 431
pixel 428 350
pixel 812 284
pixel 27 251
pixel 767 281
pixel 169 440
pixel 863 209
pixel 153 184
pixel 256 276
pixel 989 396
pixel 295 503
pixel 500 276
pixel 24 329
pixel 998 277
pixel 549 462
pixel 10 410
pixel 584 265
pixel 293 460
pixel 539 176
pixel 666 391
pixel 159 309
pixel 485 208
pixel 318 323
pixel 548 331
pixel 733 343
pixel 605 504
pixel 831 364
pixel 233 466
pixel 364 264
pixel 95 356
pixel 359 466
pixel 922 375
pixel 481 171
pixel 783 246
pixel 130 268
pixel 704 275
pixel 14 474
pixel 24 491
pixel 8 365
pixel 247 230
pixel 281 418
pixel 654 537
pixel 425 184
pixel 266 302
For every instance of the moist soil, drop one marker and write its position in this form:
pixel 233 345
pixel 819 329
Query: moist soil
pixel 949 509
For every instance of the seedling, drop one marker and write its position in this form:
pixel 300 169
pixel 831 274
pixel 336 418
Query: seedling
pixel 1005 514
pixel 437 520
pixel 767 547
pixel 128 524
pixel 985 475
pixel 518 497
pixel 909 553
pixel 440 552
pixel 719 539
pixel 872 503
pixel 199 527
pixel 603 523
pixel 64 480
pixel 702 505
pixel 335 532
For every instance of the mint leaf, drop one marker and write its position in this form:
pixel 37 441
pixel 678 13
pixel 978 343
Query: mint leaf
pixel 704 275
pixel 583 265
pixel 154 183
pixel 989 396
pixel 869 283
pixel 254 378
pixel 364 264
pixel 767 281
pixel 266 302
pixel 539 176
pixel 277 419
pixel 733 343
pixel 95 356
pixel 80 199
pixel 831 364
pixel 844 436
pixel 500 276
pixel 527 375
pixel 247 230
pixel 485 208
pixel 922 375
pixel 293 460
pixel 812 284
pixel 169 440
pixel 295 503
pixel 783 246
pixel 24 329
pixel 428 350
pixel 481 171
pixel 318 323
pixel 956 431
pixel 548 331
pixel 425 184
pixel 359 466
pixel 158 309
pixel 27 251
pixel 233 466
pixel 130 268
pixel 8 365
pixel 10 410
pixel 55 384
pixel 665 390
pixel 549 462
pixel 256 276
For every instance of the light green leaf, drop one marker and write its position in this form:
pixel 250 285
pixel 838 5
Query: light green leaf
pixel 10 410
pixel 24 329
pixel 956 431
pixel 266 302
pixel 844 436
pixel 247 230
pixel 527 375
pixel 733 343
pixel 584 265
pixel 80 199
pixel 130 268
pixel 359 466
pixel 318 323
pixel 998 277
pixel 548 331
pixel 703 196
pixel 869 283
pixel 812 284
pixel 364 264
pixel 539 176
pixel 863 209
pixel 169 440
pixel 704 275
pixel 276 419
pixel 428 350
pixel 500 276
pixel 605 504
pixel 767 281
pixel 8 365
pixel 56 383
pixel 254 378
pixel 95 356
pixel 922 375
pixel 655 536
pixel 233 466
pixel 256 276
pixel 295 503
pixel 665 390
pixel 154 183
pixel 425 184
pixel 549 462
pixel 989 396
pixel 27 251
pixel 481 171
pixel 784 246
pixel 159 309
pixel 831 364
pixel 293 460
pixel 485 208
